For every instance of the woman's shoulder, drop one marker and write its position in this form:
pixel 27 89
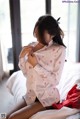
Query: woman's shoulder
pixel 58 49
pixel 62 47
pixel 57 46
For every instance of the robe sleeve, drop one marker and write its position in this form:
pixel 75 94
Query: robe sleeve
pixel 51 64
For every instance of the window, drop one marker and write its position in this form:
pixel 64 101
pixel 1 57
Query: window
pixel 31 10
pixel 68 22
pixel 5 35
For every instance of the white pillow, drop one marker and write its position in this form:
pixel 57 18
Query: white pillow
pixel 70 74
pixel 16 85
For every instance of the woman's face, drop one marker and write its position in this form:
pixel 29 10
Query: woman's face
pixel 47 37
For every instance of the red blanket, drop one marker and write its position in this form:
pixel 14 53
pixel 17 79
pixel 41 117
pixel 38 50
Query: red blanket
pixel 72 100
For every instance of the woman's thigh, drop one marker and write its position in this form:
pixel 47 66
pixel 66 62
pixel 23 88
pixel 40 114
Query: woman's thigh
pixel 27 111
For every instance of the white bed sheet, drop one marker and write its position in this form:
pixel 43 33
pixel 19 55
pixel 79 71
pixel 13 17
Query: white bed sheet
pixel 71 73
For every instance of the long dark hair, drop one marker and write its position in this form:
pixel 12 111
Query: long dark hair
pixel 49 24
pixel 37 23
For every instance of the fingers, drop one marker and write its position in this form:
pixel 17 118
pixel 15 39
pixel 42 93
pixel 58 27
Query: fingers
pixel 25 50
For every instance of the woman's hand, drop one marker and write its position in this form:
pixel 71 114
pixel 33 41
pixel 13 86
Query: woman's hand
pixel 25 50
pixel 32 60
pixel 38 47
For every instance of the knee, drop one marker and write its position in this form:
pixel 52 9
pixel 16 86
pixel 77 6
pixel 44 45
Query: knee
pixel 12 116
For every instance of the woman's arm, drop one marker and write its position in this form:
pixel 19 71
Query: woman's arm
pixel 31 57
pixel 38 47
pixel 30 49
pixel 25 50
pixel 50 65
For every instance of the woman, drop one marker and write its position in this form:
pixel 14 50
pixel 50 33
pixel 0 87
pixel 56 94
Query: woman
pixel 42 65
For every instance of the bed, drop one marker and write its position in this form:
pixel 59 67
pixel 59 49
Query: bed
pixel 16 85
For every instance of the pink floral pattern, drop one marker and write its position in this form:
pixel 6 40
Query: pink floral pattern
pixel 43 78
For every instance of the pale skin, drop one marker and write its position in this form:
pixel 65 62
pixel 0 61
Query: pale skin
pixel 21 110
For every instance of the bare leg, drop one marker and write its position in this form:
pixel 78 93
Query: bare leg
pixel 20 105
pixel 27 111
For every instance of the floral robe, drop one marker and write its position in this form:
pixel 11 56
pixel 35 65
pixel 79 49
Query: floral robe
pixel 44 77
